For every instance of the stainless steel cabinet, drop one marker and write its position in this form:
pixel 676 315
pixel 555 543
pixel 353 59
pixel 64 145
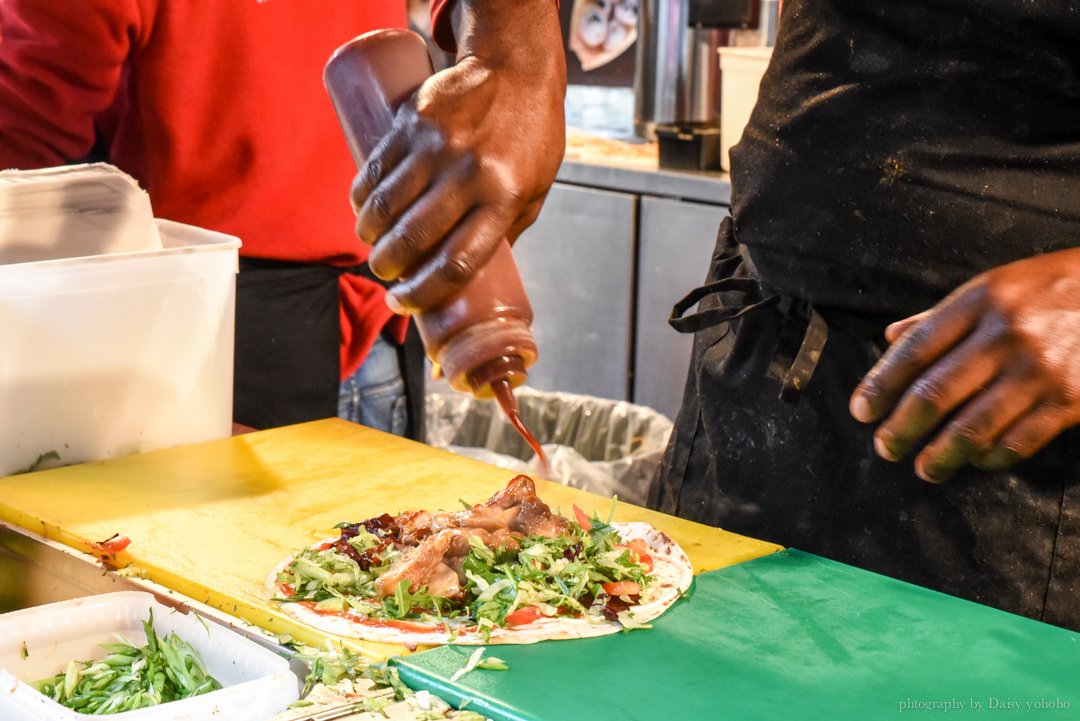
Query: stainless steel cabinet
pixel 676 242
pixel 602 268
pixel 577 263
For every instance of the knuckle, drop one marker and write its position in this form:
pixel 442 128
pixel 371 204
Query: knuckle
pixel 468 164
pixel 513 197
pixel 973 431
pixel 459 269
pixel 379 208
pixel 411 240
pixel 930 391
pixel 369 175
pixel 870 388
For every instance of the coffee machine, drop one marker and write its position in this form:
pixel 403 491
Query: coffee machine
pixel 676 82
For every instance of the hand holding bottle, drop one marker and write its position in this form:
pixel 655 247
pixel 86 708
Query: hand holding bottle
pixel 470 157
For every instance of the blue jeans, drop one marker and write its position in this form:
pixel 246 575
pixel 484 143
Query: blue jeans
pixel 374 396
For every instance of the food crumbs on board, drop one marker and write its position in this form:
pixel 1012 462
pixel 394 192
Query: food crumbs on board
pixel 476 661
pixel 25 651
pixel 111 546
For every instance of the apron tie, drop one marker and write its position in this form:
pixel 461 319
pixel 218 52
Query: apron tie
pixel 734 296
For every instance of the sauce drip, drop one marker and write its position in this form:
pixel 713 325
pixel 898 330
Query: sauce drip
pixel 505 395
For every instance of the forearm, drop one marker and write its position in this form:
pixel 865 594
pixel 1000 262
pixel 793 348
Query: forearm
pixel 525 32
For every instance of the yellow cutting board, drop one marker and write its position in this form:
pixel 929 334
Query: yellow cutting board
pixel 211 520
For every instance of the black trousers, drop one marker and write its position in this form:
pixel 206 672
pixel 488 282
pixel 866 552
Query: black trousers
pixel 801 472
pixel 287 360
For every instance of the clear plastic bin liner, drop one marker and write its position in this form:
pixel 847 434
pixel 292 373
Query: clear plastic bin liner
pixel 596 444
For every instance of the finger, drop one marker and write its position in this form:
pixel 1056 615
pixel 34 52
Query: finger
pixel 933 396
pixel 397 191
pixel 906 360
pixel 974 429
pixel 1027 437
pixel 464 252
pixel 419 231
pixel 527 218
pixel 897 329
pixel 383 159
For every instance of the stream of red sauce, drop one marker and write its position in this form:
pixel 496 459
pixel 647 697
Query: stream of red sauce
pixel 505 395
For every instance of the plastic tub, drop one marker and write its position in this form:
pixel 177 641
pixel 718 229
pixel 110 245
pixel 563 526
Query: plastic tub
pixel 741 70
pixel 115 354
pixel 257 683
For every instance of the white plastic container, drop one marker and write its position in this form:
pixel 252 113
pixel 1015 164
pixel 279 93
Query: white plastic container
pixel 257 683
pixel 108 355
pixel 741 70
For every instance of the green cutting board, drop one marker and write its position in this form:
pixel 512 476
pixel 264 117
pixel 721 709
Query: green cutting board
pixel 786 636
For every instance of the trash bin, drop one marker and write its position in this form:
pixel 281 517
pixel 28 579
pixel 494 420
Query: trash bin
pixel 596 444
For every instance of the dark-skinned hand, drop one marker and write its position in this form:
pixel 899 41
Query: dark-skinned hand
pixel 990 375
pixel 470 157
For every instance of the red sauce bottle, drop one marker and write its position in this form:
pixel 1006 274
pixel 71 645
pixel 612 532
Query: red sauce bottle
pixel 481 337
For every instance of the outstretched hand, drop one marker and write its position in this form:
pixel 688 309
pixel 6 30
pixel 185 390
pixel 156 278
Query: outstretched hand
pixel 992 372
pixel 470 157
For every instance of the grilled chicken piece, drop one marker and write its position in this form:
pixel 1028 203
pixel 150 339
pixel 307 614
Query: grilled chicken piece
pixel 445 581
pixel 419 565
pixel 516 491
pixel 486 517
pixel 534 517
pixel 435 544
pixel 516 508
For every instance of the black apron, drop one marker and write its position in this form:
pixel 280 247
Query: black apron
pixel 288 335
pixel 896 150
pixel 764 446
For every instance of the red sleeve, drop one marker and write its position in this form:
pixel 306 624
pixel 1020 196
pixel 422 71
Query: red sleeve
pixel 60 68
pixel 441 31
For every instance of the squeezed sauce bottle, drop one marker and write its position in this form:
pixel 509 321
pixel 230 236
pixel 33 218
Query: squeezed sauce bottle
pixel 481 337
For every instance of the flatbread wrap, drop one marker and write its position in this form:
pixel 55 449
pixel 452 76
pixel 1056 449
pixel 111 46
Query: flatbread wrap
pixel 505 571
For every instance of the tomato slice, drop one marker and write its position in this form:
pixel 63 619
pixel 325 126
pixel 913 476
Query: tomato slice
pixel 621 588
pixel 522 616
pixel 582 519
pixel 641 551
pixel 112 545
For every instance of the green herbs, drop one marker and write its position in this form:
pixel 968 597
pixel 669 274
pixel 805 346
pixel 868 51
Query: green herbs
pixel 41 461
pixel 130 678
pixel 560 576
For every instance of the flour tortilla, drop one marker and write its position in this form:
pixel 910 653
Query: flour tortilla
pixel 672 574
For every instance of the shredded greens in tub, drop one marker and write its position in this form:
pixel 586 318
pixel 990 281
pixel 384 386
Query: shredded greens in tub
pixel 130 677
pixel 560 577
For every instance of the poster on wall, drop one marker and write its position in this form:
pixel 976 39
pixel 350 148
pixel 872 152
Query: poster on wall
pixel 602 30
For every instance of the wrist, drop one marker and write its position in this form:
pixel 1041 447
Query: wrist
pixel 525 34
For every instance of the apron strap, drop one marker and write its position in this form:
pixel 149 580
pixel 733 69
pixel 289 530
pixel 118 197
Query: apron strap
pixel 806 360
pixel 737 296
pixel 747 288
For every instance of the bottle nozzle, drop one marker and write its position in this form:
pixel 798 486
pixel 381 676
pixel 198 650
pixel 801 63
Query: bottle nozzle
pixel 509 369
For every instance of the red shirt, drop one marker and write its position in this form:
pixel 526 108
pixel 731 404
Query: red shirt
pixel 216 107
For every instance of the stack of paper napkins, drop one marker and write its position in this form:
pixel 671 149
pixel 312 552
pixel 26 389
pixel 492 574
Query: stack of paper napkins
pixel 71 212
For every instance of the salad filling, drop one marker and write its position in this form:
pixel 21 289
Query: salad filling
pixel 506 563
